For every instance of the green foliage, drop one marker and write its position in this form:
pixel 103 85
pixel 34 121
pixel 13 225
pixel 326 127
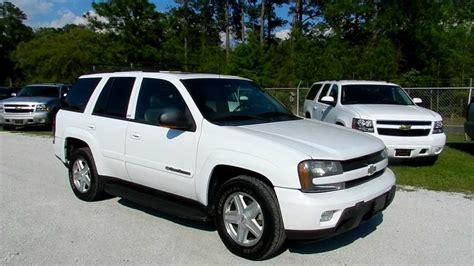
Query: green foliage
pixel 398 40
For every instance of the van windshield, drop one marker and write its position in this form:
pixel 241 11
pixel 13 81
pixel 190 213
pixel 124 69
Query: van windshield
pixel 374 94
pixel 235 102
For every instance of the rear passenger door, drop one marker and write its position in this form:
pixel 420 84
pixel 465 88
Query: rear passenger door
pixel 319 107
pixel 108 124
pixel 157 156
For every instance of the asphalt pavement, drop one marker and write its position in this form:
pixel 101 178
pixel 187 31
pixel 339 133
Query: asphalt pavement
pixel 41 222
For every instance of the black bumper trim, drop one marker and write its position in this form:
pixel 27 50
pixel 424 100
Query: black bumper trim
pixel 351 218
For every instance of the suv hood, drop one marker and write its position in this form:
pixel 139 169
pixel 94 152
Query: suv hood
pixel 27 100
pixel 318 140
pixel 394 112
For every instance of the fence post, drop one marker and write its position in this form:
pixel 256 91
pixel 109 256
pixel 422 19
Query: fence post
pixel 470 91
pixel 298 98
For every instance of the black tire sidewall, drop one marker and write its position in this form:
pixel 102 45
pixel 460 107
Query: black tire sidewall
pixel 258 250
pixel 94 190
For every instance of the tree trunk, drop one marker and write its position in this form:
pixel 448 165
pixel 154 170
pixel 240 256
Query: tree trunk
pixel 262 21
pixel 242 19
pixel 269 19
pixel 298 15
pixel 227 31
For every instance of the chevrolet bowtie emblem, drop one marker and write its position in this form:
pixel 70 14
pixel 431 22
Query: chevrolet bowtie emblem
pixel 405 127
pixel 371 170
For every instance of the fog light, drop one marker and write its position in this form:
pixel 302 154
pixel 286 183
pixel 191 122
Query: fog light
pixel 326 216
pixel 438 149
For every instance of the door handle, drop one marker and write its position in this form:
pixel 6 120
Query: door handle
pixel 136 136
pixel 91 127
pixel 315 108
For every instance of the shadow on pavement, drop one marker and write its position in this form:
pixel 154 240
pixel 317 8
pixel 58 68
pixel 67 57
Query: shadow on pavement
pixel 462 146
pixel 209 226
pixel 338 241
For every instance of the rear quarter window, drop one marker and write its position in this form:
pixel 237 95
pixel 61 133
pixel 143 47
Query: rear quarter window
pixel 79 95
pixel 313 91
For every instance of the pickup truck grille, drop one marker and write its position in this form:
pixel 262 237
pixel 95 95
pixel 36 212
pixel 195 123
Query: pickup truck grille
pixel 18 108
pixel 403 128
pixel 403 133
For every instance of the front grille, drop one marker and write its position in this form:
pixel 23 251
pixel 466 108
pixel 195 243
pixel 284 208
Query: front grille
pixel 18 108
pixel 362 162
pixel 403 133
pixel 399 123
pixel 362 180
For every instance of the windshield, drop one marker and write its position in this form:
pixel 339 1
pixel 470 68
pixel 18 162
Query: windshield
pixel 374 94
pixel 42 91
pixel 235 102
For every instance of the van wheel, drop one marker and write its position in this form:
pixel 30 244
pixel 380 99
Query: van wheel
pixel 248 218
pixel 85 182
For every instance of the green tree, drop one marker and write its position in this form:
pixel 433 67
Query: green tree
pixel 12 32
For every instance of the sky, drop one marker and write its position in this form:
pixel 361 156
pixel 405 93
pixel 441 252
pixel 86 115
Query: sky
pixel 57 13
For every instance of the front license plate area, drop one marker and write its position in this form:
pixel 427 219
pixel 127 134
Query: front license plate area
pixel 403 152
pixel 19 122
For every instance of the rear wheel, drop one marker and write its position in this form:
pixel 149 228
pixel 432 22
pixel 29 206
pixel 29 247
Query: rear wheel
pixel 85 182
pixel 248 218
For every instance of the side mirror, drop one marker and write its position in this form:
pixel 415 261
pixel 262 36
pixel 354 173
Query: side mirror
pixel 328 100
pixel 417 100
pixel 64 95
pixel 175 119
pixel 13 94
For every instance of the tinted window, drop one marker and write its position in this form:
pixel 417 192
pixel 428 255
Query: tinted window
pixel 374 94
pixel 80 93
pixel 334 92
pixel 471 112
pixel 324 91
pixel 155 97
pixel 313 91
pixel 114 98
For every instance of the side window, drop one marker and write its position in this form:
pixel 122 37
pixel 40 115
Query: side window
pixel 155 97
pixel 313 91
pixel 334 92
pixel 79 95
pixel 114 98
pixel 324 92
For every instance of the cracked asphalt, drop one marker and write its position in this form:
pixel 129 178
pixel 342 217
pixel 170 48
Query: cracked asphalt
pixel 41 222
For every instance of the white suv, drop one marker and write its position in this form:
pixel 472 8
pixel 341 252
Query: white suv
pixel 380 109
pixel 204 147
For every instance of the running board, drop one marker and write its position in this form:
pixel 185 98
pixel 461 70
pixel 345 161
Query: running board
pixel 157 200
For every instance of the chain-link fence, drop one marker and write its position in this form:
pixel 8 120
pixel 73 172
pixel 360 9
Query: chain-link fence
pixel 449 102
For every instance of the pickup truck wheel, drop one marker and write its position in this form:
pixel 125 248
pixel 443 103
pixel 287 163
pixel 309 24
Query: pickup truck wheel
pixel 248 218
pixel 85 182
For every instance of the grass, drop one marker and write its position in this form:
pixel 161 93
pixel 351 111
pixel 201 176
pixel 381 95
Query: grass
pixel 453 172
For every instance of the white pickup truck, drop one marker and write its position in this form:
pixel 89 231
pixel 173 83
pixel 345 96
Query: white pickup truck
pixel 383 110
pixel 215 147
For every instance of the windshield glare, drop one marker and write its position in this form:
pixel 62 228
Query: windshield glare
pixel 374 94
pixel 41 91
pixel 235 102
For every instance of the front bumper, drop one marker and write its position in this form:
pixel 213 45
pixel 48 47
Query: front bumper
pixel 302 212
pixel 414 147
pixel 25 119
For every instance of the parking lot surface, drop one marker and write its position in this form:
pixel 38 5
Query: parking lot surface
pixel 41 222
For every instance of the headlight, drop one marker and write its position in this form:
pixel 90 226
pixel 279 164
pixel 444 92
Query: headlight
pixel 363 125
pixel 438 127
pixel 41 108
pixel 310 170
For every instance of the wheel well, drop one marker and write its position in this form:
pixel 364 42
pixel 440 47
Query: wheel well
pixel 221 174
pixel 307 115
pixel 340 124
pixel 72 144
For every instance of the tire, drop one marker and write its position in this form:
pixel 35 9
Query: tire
pixel 88 186
pixel 264 218
pixel 8 127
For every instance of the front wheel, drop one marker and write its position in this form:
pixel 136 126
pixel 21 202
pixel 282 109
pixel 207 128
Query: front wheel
pixel 248 218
